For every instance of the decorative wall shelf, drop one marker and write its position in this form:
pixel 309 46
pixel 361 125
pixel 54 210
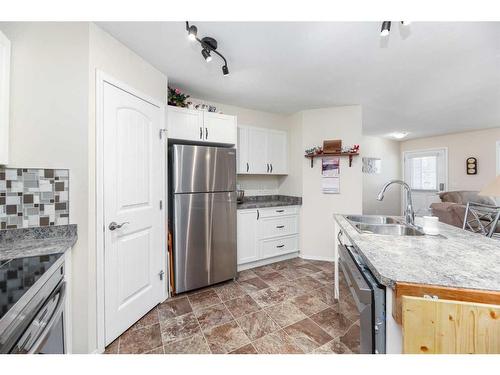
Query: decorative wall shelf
pixel 325 155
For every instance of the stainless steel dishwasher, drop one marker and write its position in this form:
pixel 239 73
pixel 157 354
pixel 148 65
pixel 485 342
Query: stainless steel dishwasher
pixel 369 296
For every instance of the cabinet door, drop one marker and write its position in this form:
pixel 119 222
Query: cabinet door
pixel 4 98
pixel 185 124
pixel 257 151
pixel 277 152
pixel 243 166
pixel 247 236
pixel 220 128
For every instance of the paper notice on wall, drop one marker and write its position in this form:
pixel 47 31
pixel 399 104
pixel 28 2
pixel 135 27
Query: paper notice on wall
pixel 330 167
pixel 331 185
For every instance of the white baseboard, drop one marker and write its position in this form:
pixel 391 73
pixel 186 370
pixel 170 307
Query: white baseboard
pixel 314 257
pixel 263 262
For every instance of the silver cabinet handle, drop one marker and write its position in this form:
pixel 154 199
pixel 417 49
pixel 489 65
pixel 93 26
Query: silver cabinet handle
pixel 206 133
pixel 280 246
pixel 201 132
pixel 271 167
pixel 267 167
pixel 258 214
pixel 114 226
pixel 248 167
pixel 280 226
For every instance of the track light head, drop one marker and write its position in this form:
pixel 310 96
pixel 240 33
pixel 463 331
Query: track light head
pixel 206 55
pixel 386 28
pixel 192 32
pixel 225 70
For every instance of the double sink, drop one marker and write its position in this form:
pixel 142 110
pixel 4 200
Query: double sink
pixel 384 225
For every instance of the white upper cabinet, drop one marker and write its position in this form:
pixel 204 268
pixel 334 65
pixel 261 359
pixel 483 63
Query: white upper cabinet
pixel 186 124
pixel 4 98
pixel 220 128
pixel 277 152
pixel 262 151
pixel 257 151
pixel 199 126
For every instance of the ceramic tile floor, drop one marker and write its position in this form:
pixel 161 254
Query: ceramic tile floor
pixel 282 308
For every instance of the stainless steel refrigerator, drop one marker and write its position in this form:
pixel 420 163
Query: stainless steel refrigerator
pixel 203 213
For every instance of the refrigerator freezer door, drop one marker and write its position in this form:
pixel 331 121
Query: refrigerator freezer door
pixel 201 169
pixel 204 239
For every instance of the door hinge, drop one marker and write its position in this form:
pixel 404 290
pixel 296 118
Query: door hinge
pixel 161 205
pixel 161 274
pixel 161 132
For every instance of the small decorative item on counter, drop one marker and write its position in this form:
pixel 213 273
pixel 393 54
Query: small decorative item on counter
pixel 176 97
pixel 431 225
pixel 316 150
pixel 190 105
pixel 212 108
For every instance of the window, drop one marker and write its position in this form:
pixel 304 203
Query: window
pixel 423 171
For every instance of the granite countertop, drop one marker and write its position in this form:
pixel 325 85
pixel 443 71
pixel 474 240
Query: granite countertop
pixel 457 259
pixel 28 242
pixel 263 201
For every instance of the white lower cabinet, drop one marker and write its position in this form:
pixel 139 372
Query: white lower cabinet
pixel 267 233
pixel 246 235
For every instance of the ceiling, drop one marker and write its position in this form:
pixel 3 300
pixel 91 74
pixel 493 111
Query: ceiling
pixel 428 78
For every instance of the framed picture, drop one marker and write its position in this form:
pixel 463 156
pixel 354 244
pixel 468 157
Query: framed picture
pixel 372 165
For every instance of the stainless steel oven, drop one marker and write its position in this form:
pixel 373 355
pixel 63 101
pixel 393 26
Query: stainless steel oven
pixel 35 323
pixel 369 297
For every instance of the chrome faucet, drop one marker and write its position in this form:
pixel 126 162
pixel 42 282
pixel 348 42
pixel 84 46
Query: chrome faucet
pixel 409 213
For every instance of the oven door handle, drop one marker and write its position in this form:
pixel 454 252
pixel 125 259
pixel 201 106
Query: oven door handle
pixel 40 341
pixel 30 345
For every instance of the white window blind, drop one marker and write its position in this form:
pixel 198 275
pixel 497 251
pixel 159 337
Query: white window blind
pixel 423 172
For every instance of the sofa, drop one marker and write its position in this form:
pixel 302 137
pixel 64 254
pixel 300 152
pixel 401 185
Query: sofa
pixel 451 209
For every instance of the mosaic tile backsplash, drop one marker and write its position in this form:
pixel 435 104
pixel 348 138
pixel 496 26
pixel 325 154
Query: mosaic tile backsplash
pixel 33 197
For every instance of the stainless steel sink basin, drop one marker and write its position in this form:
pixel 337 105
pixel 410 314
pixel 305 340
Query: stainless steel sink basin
pixel 372 219
pixel 388 229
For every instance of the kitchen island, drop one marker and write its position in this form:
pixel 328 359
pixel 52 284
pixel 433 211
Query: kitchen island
pixel 455 260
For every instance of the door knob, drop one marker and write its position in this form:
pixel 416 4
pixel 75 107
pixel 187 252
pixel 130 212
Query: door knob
pixel 113 225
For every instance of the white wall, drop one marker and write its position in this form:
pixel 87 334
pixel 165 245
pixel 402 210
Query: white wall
pixel 255 185
pixel 52 125
pixel 49 126
pixel 311 128
pixel 480 144
pixel 389 152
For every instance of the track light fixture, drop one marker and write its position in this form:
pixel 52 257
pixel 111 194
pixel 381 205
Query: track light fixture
pixel 192 32
pixel 206 55
pixel 386 28
pixel 208 45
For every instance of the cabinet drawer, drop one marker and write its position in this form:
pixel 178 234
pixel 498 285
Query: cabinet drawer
pixel 279 246
pixel 278 226
pixel 278 211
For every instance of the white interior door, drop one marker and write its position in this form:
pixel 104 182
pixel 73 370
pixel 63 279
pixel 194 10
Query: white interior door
pixel 133 188
pixel 426 172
